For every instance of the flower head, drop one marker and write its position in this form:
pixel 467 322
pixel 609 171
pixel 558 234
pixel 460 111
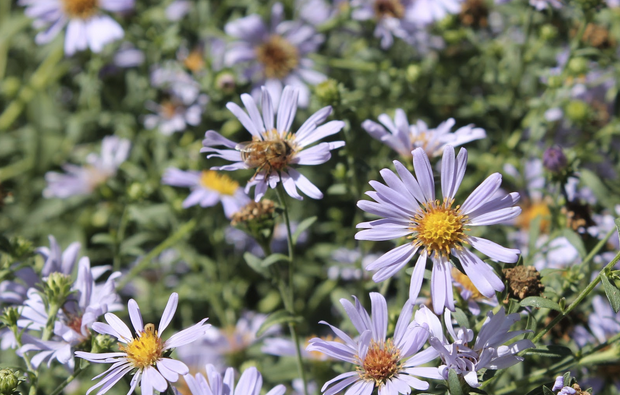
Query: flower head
pixel 437 229
pixel 275 54
pixel 404 138
pixel 487 352
pixel 145 353
pixel 388 364
pixel 274 147
pixel 83 180
pixel 208 187
pixel 86 25
pixel 250 383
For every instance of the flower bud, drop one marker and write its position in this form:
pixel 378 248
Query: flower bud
pixel 554 159
pixel 9 380
pixel 256 219
pixel 57 288
pixel 103 343
pixel 548 32
pixel 226 82
pixel 413 73
pixel 578 66
pixel 328 93
pixel 9 316
pixel 577 111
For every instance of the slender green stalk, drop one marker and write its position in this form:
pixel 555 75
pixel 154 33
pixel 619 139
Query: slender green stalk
pixel 78 370
pixel 291 299
pixel 52 311
pixel 579 299
pixel 120 235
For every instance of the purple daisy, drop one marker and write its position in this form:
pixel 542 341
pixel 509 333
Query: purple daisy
pixel 208 188
pixel 266 131
pixel 388 364
pixel 143 353
pixel 86 26
pixel 437 229
pixel 250 383
pixel 404 138
pixel 275 54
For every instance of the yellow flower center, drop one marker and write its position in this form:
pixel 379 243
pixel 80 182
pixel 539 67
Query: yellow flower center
pixel 466 283
pixel 82 9
pixel 194 61
pixel 533 211
pixel 381 362
pixel 218 182
pixel 168 109
pixel 146 349
pixel 438 227
pixel 388 9
pixel 278 56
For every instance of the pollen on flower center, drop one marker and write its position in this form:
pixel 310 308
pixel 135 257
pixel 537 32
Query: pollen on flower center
pixel 278 56
pixel 82 9
pixel 146 349
pixel 218 182
pixel 438 227
pixel 388 9
pixel 381 362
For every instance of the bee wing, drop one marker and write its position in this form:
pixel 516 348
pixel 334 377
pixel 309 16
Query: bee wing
pixel 246 146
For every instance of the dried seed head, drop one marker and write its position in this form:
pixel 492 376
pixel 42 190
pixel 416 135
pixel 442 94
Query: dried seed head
pixel 523 281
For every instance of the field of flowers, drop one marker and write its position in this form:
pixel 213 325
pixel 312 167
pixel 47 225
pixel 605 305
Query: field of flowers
pixel 304 197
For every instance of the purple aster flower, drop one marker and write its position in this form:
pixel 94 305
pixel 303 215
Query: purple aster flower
pixel 219 344
pixel 404 138
pixel 250 383
pixel 563 389
pixel 143 353
pixel 470 294
pixel 388 364
pixel 72 326
pixel 275 54
pixel 128 56
pixel 404 19
pixel 538 4
pixel 86 26
pixel 409 209
pixel 173 116
pixel 208 188
pixel 178 9
pixel 83 180
pixel 488 351
pixel 274 147
pixel 603 324
pixel 171 78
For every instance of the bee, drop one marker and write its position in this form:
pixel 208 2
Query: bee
pixel 269 154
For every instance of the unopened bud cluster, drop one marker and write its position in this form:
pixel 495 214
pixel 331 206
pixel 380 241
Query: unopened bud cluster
pixel 57 288
pixel 9 380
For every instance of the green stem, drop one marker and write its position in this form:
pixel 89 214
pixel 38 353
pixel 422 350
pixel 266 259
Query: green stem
pixel 120 235
pixel 169 242
pixel 291 299
pixel 44 75
pixel 579 299
pixel 52 312
pixel 78 370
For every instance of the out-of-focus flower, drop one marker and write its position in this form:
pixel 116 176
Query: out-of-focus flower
pixel 470 293
pixel 128 56
pixel 274 147
pixel 386 364
pixel 409 209
pixel 244 242
pixel 275 54
pixel 83 180
pixel 488 351
pixel 250 383
pixel 87 27
pixel 178 9
pixel 220 347
pixel 145 353
pixel 346 266
pixel 603 323
pixel 318 12
pixel 538 4
pixel 173 116
pixel 171 78
pixel 208 188
pixel 404 138
pixel 404 19
pixel 74 321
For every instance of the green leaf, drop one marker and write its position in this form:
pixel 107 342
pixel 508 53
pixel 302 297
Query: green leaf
pixel 273 258
pixel 303 225
pixel 567 379
pixel 600 190
pixel 575 240
pixel 617 222
pixel 547 391
pixel 541 303
pixel 102 238
pixel 613 294
pixel 454 384
pixel 461 318
pixel 551 351
pixel 279 317
pixel 255 263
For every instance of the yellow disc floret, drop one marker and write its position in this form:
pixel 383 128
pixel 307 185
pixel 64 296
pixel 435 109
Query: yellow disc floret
pixel 381 362
pixel 278 56
pixel 146 349
pixel 82 9
pixel 218 182
pixel 438 227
